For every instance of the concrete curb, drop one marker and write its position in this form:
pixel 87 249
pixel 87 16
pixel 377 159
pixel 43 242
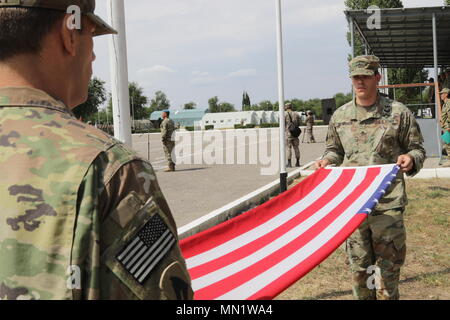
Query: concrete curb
pixel 237 207
pixel 436 173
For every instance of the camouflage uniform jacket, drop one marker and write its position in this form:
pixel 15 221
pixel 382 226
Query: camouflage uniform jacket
pixel 445 120
pixel 291 117
pixel 72 198
pixel 376 136
pixel 167 129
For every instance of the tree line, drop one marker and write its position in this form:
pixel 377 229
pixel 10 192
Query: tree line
pixel 141 107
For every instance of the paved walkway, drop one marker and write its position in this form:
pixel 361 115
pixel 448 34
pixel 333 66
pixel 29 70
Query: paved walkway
pixel 205 182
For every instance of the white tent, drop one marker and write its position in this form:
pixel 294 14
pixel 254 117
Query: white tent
pixel 227 120
pixel 272 117
pixel 262 117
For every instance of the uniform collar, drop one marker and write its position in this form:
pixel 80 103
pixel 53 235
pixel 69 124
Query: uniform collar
pixel 30 97
pixel 373 112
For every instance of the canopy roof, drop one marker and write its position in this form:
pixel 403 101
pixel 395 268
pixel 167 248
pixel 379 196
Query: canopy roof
pixel 406 36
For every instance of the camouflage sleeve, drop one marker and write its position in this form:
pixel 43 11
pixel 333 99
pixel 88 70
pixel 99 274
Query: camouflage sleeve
pixel 411 140
pixel 334 151
pixel 142 257
pixel 120 204
pixel 164 130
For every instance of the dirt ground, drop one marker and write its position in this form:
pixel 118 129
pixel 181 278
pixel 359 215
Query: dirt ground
pixel 426 273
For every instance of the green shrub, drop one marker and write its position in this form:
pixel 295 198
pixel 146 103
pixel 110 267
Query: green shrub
pixel 190 128
pixel 239 126
pixel 209 127
pixel 250 126
pixel 269 125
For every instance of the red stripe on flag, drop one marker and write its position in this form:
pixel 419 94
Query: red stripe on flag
pixel 223 286
pixel 213 237
pixel 261 242
pixel 293 275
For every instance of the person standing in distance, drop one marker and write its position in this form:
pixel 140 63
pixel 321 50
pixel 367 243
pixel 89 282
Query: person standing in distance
pixel 292 142
pixel 310 128
pixel 167 130
pixel 445 122
pixel 82 216
pixel 374 130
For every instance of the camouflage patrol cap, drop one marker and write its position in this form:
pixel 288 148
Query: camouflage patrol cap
pixel 445 90
pixel 87 8
pixel 288 105
pixel 364 66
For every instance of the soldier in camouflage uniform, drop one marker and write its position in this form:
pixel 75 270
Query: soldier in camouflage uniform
pixel 446 83
pixel 167 130
pixel 445 121
pixel 291 141
pixel 82 216
pixel 374 130
pixel 309 128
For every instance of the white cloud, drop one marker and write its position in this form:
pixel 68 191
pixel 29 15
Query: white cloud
pixel 242 73
pixel 206 80
pixel 157 69
pixel 200 73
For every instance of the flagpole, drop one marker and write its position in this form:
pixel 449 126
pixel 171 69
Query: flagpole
pixel 283 173
pixel 119 73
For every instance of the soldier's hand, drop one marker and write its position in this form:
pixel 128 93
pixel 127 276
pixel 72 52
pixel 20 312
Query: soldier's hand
pixel 406 163
pixel 322 164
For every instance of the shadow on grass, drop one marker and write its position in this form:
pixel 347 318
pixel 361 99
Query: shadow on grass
pixel 336 294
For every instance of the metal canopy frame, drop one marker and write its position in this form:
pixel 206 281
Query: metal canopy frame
pixel 408 38
pixel 406 35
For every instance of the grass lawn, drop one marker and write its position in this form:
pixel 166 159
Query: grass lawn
pixel 426 273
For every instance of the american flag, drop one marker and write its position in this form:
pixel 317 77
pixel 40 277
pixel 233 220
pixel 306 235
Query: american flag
pixel 261 253
pixel 146 249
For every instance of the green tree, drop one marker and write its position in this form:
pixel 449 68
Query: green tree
pixel 138 102
pixel 214 106
pixel 364 4
pixel 342 98
pixel 159 102
pixel 399 75
pixel 190 105
pixel 226 107
pixel 266 105
pixel 97 95
pixel 447 2
pixel 246 103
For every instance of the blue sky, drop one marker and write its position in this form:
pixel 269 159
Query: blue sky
pixel 196 49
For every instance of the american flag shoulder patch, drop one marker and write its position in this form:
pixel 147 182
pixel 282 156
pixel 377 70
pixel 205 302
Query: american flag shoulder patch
pixel 145 250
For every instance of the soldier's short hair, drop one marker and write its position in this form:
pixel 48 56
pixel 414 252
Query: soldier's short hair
pixel 23 30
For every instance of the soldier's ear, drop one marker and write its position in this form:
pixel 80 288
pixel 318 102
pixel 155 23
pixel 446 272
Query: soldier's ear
pixel 69 36
pixel 378 77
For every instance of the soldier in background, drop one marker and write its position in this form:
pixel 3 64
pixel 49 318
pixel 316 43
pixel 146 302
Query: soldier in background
pixel 82 216
pixel 310 128
pixel 445 121
pixel 446 83
pixel 374 130
pixel 291 141
pixel 167 130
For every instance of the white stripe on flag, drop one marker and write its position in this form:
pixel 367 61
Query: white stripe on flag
pixel 266 227
pixel 264 279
